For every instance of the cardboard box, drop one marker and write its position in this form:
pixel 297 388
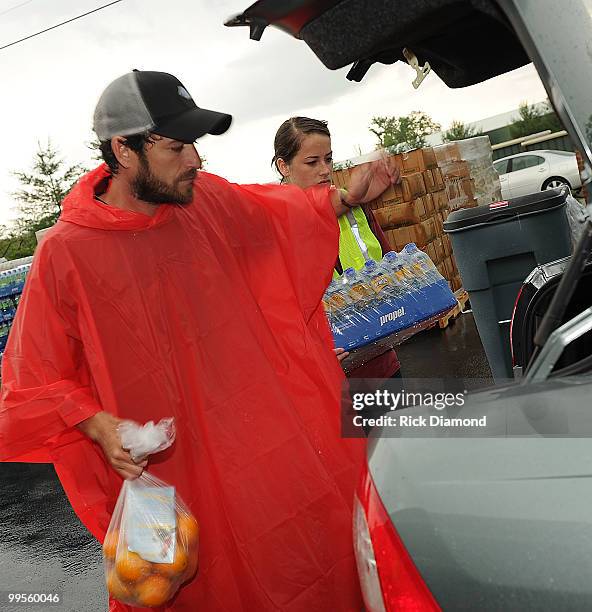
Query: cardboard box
pixel 429 158
pixel 341 178
pixel 399 237
pixel 420 233
pixel 434 180
pixel 418 160
pixel 438 178
pixel 455 169
pixel 431 252
pixel 450 268
pixel 467 186
pixel 440 199
pixel 439 250
pixel 428 178
pixel 393 195
pixel 428 202
pixel 447 244
pixel 447 152
pixel 413 186
pixel 429 231
pixel 456 283
pixel 405 213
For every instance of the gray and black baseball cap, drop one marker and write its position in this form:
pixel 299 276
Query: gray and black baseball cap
pixel 147 101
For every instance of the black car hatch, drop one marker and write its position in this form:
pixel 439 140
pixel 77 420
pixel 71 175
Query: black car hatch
pixel 464 41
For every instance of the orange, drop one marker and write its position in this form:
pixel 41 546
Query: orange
pixel 130 566
pixel 192 563
pixel 175 568
pixel 110 544
pixel 187 530
pixel 154 591
pixel 116 588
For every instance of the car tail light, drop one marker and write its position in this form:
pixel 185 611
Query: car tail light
pixel 388 577
pixel 512 326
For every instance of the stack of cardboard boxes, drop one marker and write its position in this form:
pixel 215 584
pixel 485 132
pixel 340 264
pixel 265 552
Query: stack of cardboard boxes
pixel 415 209
pixel 434 181
pixel 469 175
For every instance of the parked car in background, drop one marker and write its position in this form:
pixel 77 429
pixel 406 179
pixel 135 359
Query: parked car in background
pixel 534 171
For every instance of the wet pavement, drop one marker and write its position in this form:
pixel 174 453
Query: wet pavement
pixel 453 352
pixel 43 546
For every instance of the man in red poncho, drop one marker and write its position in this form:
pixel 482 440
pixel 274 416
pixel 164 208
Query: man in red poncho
pixel 166 292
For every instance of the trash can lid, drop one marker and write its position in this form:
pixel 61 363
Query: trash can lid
pixel 506 210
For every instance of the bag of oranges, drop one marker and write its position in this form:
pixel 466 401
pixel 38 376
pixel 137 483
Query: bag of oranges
pixel 151 546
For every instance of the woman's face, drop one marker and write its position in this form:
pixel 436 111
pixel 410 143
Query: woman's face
pixel 313 163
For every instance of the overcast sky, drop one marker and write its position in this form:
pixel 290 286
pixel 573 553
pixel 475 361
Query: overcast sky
pixel 50 84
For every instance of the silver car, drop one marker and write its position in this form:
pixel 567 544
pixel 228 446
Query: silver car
pixel 534 171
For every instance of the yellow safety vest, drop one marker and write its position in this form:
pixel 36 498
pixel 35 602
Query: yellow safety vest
pixel 357 243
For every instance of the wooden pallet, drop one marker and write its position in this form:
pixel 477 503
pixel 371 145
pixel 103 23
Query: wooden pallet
pixel 461 299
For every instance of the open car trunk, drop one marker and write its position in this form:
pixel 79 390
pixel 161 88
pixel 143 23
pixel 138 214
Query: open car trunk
pixel 464 41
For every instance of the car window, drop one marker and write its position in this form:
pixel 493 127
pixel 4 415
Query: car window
pixel 526 161
pixel 501 167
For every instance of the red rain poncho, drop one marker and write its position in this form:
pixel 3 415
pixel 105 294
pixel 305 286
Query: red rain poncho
pixel 210 313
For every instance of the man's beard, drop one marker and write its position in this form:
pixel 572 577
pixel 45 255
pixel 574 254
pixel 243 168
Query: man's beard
pixel 149 188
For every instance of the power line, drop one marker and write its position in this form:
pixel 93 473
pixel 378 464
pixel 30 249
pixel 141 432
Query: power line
pixel 100 8
pixel 15 7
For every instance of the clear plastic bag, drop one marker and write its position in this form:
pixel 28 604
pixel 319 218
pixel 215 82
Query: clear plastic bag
pixel 577 215
pixel 151 546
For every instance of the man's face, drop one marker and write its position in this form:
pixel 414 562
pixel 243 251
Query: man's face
pixel 165 172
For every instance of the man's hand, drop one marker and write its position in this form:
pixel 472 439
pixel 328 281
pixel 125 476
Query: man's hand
pixel 369 180
pixel 102 429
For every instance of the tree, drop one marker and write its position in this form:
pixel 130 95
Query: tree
pixel 459 131
pixel 533 119
pixel 400 133
pixel 43 189
pixel 38 201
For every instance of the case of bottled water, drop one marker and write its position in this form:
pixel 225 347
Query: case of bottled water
pixel 386 300
pixel 12 281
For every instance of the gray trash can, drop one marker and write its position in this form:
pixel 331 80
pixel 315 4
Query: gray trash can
pixel 496 247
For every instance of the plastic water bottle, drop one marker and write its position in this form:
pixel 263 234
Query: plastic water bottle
pixel 3 335
pixel 11 281
pixel 397 267
pixel 423 261
pixel 415 268
pixel 336 304
pixel 359 292
pixel 412 284
pixel 6 309
pixel 381 281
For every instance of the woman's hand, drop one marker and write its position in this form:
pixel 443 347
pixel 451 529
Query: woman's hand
pixel 370 180
pixel 341 354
